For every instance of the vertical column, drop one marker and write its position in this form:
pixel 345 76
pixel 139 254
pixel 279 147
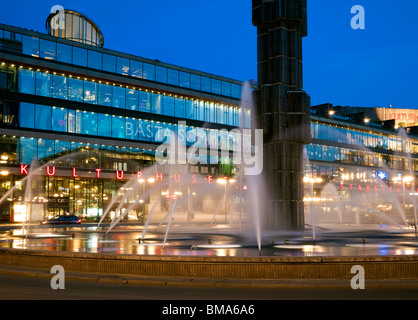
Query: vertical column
pixel 283 108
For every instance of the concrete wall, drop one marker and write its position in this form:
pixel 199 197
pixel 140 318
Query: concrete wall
pixel 379 268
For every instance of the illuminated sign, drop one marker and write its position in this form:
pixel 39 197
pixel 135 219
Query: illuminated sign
pixel 382 175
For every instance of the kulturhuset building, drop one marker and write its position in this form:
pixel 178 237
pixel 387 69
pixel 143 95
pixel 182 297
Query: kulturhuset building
pixel 87 119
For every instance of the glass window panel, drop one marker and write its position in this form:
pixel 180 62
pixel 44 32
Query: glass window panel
pixel 216 86
pixel 47 49
pixel 75 89
pixel 59 87
pixel 89 123
pixel 226 89
pixel 1 39
pixel 189 109
pixel 43 84
pixel 27 81
pixel 64 53
pixel 71 120
pixel 179 109
pixel 118 127
pixel 43 117
pixel 80 56
pixel 90 92
pixel 156 103
pixel 132 128
pixel 149 71
pixel 236 91
pixel 122 66
pixel 173 77
pixel 184 79
pixel 195 82
pixel 109 63
pixel 59 119
pixel 68 25
pixel 45 150
pixel 28 149
pixel 206 84
pixel 27 115
pixel 168 105
pixel 161 74
pixel 144 101
pixel 118 97
pixel 87 32
pixel 30 46
pixel 78 121
pixel 131 99
pixel 136 69
pixel 62 147
pixel 105 94
pixel 144 130
pixel 104 126
pixel 94 60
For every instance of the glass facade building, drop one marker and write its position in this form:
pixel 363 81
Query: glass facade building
pixel 90 118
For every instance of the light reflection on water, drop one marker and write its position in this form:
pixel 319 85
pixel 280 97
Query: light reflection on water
pixel 90 240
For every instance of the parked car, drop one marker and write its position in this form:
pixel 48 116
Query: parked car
pixel 71 219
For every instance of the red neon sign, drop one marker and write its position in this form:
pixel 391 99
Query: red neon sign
pixel 49 172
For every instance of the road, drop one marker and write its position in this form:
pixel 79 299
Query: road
pixel 15 287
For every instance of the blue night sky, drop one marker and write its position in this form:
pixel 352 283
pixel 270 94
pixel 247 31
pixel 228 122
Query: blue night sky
pixel 372 67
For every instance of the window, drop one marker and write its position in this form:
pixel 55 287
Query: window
pixel 194 82
pixel 47 49
pixel 59 87
pixel 122 66
pixel 185 80
pixel 59 119
pixel 43 117
pixel 80 56
pixel 109 63
pixel 75 89
pixel 89 123
pixel 131 99
pixel 189 109
pixel 136 69
pixel 43 84
pixel 94 60
pixel 64 53
pixel 216 86
pixel 28 149
pixel 90 92
pixel 45 150
pixel 30 46
pixel 27 81
pixel 226 89
pixel 179 108
pixel 118 97
pixel 236 91
pixel 161 74
pixel 206 84
pixel 173 77
pixel 118 127
pixel 105 94
pixel 144 101
pixel 168 105
pixel 104 125
pixel 156 103
pixel 149 71
pixel 27 115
